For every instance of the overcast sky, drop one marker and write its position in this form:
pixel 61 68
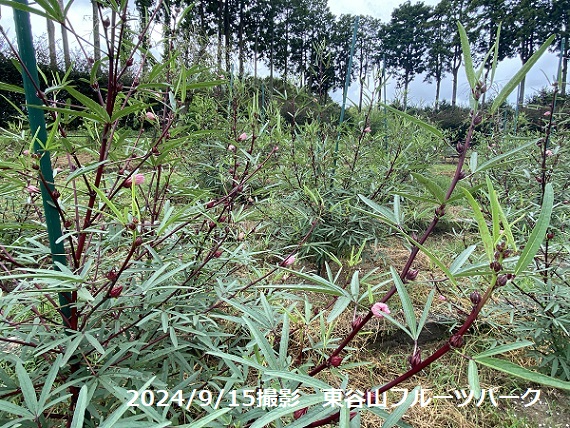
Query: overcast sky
pixel 420 93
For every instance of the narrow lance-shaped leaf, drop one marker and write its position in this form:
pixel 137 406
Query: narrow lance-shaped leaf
pixel 483 229
pixel 521 372
pixel 538 233
pixel 518 77
pixel 468 61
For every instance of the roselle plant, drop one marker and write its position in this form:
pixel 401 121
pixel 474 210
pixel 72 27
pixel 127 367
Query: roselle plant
pixel 163 281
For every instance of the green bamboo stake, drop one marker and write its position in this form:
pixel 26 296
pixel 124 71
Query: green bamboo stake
pixel 38 129
pixel 344 93
pixel 559 77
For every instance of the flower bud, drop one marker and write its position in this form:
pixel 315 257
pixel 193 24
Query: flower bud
pixel 129 62
pixel 502 280
pixel 55 194
pixel 495 266
pixel 298 413
pixel 210 204
pixel 218 253
pixel 462 175
pixel 335 361
pixel 357 321
pixel 475 297
pixel 456 341
pixel 112 275
pixel 106 22
pixel 416 358
pixel 459 147
pixel 241 236
pixel 550 235
pixel 412 274
pixel 477 119
pixel 440 211
pixel 138 241
pixel 116 291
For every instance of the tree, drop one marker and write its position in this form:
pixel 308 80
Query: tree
pixel 445 54
pixel 407 41
pixel 527 38
pixel 560 21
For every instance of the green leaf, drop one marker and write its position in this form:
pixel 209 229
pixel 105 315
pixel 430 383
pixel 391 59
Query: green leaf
pixel 431 186
pixel 430 128
pixel 338 309
pixel 494 162
pixel 434 260
pixel 518 77
pixel 467 59
pixel 461 259
pixel 48 383
pixel 300 378
pixel 279 412
pixel 263 344
pixel 207 420
pixel 11 88
pixel 111 421
pixel 87 102
pixel 382 212
pixel 504 348
pixel 538 233
pixel 13 409
pixel 483 229
pixel 27 387
pixel 407 305
pixel 397 414
pixel 425 312
pixel 25 8
pixel 84 170
pixel 80 407
pixel 495 208
pixel 473 378
pixel 106 201
pixel 521 372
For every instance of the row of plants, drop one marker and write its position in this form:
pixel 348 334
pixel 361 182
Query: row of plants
pixel 218 246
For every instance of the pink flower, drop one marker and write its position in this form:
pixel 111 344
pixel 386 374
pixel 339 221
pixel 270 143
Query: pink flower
pixel 548 153
pixel 367 129
pixel 26 152
pixel 547 113
pixel 288 261
pixel 379 309
pixel 32 190
pixel 441 298
pixel 137 179
pixel 232 148
pixel 242 137
pixel 150 115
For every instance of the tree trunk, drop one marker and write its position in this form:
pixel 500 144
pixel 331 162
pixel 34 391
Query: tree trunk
pixel 64 41
pixel 437 90
pixel 51 44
